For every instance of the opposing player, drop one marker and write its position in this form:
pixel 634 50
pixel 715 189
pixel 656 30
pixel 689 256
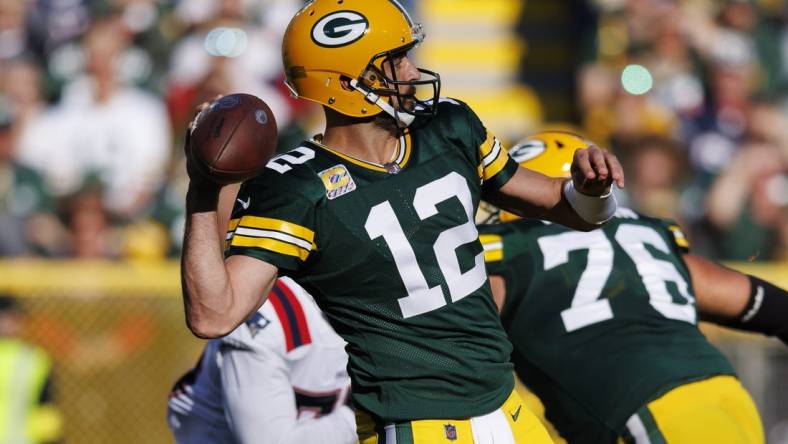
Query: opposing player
pixel 604 323
pixel 375 220
pixel 278 378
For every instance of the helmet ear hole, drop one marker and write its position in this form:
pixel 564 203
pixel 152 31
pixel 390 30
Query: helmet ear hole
pixel 345 82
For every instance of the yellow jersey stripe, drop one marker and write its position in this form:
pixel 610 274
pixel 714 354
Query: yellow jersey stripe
pixel 487 239
pixel 290 228
pixel 678 235
pixel 497 165
pixel 269 244
pixel 253 232
pixel 493 255
pixel 487 146
pixel 407 150
pixel 233 224
pixel 494 157
pixel 493 247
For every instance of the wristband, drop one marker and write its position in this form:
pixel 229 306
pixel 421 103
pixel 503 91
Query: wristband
pixel 766 311
pixel 595 210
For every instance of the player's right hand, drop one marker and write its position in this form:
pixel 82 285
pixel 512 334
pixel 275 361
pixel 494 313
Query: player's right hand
pixel 197 179
pixel 594 170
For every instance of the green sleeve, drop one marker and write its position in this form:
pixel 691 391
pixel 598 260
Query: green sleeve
pixel 272 224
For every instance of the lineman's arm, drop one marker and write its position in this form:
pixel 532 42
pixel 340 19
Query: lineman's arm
pixel 498 286
pixel 582 203
pixel 261 407
pixel 737 300
pixel 218 294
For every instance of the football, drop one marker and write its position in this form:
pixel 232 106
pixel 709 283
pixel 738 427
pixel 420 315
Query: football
pixel 233 138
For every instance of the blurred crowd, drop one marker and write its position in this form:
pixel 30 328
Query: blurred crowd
pixel 706 143
pixel 94 100
pixel 95 96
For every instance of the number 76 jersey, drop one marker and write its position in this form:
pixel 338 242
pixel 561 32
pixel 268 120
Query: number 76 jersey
pixel 601 322
pixel 391 254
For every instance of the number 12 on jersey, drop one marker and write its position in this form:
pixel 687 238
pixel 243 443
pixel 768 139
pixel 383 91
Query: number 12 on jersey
pixel 421 298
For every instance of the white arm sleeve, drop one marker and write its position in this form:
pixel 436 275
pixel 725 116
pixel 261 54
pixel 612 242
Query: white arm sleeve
pixel 261 408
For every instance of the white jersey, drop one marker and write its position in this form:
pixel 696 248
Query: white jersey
pixel 278 378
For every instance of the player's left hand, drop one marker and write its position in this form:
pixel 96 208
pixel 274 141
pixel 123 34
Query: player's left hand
pixel 594 171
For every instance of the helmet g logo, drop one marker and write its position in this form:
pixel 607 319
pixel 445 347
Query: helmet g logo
pixel 527 151
pixel 339 29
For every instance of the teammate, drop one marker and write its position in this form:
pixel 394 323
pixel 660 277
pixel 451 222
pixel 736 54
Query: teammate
pixel 278 378
pixel 375 220
pixel 604 323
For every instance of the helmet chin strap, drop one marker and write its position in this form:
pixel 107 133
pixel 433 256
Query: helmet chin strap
pixel 403 119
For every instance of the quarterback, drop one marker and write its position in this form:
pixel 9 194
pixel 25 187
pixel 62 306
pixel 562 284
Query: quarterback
pixel 604 323
pixel 375 219
pixel 278 378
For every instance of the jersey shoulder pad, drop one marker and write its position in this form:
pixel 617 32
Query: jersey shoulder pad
pixel 454 111
pixel 287 173
pixel 456 121
pixel 669 227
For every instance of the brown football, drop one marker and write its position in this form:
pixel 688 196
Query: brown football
pixel 233 138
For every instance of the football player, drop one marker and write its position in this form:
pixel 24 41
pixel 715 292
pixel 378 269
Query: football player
pixel 278 378
pixel 375 219
pixel 605 324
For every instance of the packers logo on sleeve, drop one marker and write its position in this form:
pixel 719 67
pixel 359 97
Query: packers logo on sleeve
pixel 337 181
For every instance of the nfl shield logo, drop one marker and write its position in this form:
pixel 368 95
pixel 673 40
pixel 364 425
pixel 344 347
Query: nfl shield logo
pixel 451 432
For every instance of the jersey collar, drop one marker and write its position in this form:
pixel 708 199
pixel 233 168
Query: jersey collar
pixel 401 157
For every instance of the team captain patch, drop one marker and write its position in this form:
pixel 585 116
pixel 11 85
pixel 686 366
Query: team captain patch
pixel 337 181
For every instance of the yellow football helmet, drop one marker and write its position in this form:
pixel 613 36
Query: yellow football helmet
pixel 329 41
pixel 547 152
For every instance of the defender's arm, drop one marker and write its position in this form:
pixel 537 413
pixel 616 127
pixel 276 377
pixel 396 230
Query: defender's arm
pixel 261 403
pixel 737 300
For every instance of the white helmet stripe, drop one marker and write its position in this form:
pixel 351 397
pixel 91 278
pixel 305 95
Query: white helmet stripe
pixel 404 12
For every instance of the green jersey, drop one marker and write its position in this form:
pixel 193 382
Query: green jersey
pixel 601 322
pixel 392 256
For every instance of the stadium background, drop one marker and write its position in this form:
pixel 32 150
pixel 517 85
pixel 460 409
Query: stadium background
pixel 95 95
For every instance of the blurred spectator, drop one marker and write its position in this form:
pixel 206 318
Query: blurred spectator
pixel 13 31
pixel 226 53
pixel 655 171
pixel 90 228
pixel 27 221
pixel 748 204
pixel 103 127
pixel 21 85
pixel 52 23
pixel 26 400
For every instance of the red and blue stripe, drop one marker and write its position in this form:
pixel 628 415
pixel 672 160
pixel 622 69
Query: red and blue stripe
pixel 291 316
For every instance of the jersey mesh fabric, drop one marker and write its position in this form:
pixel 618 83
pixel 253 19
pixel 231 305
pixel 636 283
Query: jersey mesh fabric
pixel 308 216
pixel 593 378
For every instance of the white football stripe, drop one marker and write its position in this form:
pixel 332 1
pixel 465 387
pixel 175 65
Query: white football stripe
pixel 402 147
pixel 490 158
pixel 253 232
pixel 638 430
pixel 492 246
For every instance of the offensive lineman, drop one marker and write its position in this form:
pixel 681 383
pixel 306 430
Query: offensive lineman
pixel 279 378
pixel 375 220
pixel 604 324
